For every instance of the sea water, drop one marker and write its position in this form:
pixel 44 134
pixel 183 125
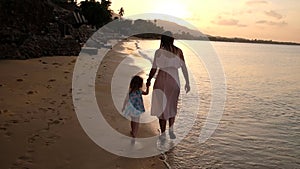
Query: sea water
pixel 259 127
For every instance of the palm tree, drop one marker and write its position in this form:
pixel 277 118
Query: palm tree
pixel 121 12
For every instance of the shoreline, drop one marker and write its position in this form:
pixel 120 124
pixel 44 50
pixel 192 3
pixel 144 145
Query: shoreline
pixel 38 124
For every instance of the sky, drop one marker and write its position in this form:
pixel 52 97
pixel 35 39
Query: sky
pixel 253 19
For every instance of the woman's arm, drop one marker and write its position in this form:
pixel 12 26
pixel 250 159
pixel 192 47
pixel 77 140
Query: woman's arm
pixel 153 69
pixel 186 77
pixel 185 73
pixel 151 74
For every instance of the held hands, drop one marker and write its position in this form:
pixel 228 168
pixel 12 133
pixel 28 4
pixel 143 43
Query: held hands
pixel 187 87
pixel 148 83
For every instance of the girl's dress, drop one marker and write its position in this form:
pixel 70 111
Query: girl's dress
pixel 135 105
pixel 167 86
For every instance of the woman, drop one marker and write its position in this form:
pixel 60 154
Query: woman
pixel 167 60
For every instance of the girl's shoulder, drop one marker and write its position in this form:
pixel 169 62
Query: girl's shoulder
pixel 136 92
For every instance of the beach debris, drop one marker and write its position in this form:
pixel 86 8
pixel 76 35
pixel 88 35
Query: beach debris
pixel 163 157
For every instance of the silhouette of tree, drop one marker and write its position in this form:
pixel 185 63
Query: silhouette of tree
pixel 121 12
pixel 97 14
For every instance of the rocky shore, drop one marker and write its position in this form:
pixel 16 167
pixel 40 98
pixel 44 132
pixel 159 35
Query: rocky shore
pixel 31 29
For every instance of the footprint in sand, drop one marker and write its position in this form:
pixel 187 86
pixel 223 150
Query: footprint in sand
pixel 52 102
pixel 26 157
pixel 53 122
pixel 51 109
pixel 51 139
pixel 25 161
pixel 31 92
pixel 56 64
pixel 42 109
pixel 8 133
pixel 14 121
pixel 2 128
pixel 72 62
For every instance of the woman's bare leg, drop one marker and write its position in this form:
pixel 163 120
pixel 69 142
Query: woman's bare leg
pixel 171 122
pixel 162 124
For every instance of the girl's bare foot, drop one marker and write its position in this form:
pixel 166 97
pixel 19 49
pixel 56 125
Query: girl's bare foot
pixel 131 134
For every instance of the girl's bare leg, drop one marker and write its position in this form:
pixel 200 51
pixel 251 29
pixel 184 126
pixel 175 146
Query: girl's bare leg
pixel 171 131
pixel 134 126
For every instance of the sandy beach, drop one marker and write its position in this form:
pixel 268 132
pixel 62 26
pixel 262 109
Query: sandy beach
pixel 38 124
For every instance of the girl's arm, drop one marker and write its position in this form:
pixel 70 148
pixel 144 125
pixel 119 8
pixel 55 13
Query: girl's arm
pixel 125 101
pixel 146 92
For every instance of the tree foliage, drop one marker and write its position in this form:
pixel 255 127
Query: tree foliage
pixel 97 14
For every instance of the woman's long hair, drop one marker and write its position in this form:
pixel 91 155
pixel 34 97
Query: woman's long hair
pixel 167 41
pixel 135 84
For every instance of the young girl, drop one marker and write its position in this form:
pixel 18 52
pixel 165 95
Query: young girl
pixel 133 105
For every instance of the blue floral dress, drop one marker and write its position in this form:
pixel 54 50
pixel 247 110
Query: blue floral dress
pixel 135 105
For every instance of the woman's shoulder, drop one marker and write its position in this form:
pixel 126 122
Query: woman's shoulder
pixel 178 52
pixel 177 49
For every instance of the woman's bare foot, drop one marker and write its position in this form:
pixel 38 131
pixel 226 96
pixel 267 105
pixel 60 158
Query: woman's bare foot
pixel 162 137
pixel 172 134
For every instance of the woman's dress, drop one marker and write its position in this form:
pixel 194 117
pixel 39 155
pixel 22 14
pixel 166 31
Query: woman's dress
pixel 166 88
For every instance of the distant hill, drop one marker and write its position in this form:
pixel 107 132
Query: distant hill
pixel 183 32
pixel 177 29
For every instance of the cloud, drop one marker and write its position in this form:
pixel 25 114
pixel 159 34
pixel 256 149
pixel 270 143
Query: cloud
pixel 272 23
pixel 273 14
pixel 262 21
pixel 228 22
pixel 256 2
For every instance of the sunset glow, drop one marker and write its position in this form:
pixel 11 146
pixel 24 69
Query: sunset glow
pixel 253 19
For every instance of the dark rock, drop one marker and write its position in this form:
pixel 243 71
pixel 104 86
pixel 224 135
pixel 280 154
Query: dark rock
pixel 36 28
